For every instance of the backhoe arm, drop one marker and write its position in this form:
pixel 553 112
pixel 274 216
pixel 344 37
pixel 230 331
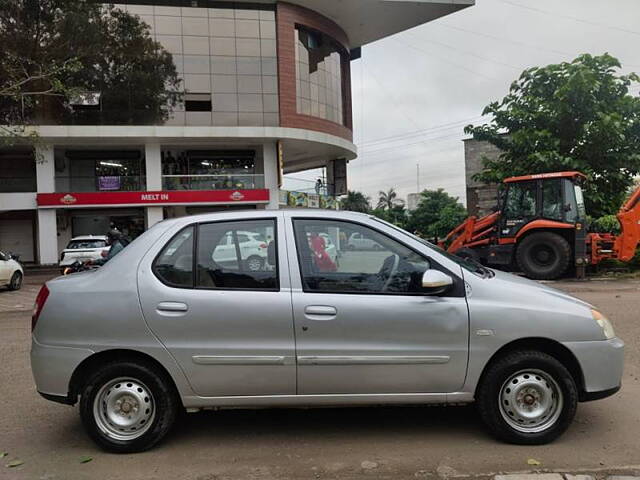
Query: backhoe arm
pixel 629 217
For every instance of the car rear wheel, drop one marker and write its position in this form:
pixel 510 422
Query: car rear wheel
pixel 128 407
pixel 255 263
pixel 527 398
pixel 544 256
pixel 16 281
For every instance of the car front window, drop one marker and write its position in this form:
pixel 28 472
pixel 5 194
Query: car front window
pixel 466 264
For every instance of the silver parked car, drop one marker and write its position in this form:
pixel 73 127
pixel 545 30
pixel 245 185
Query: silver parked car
pixel 164 327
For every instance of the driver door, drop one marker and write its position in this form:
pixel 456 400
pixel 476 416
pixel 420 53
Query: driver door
pixel 364 326
pixel 520 207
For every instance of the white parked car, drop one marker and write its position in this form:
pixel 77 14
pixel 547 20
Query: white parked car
pixel 11 273
pixel 83 248
pixel 253 250
pixel 357 241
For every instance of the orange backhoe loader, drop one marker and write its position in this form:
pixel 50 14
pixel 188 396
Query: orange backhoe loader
pixel 539 228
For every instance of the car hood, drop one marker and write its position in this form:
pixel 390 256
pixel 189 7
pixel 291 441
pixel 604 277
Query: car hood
pixel 535 289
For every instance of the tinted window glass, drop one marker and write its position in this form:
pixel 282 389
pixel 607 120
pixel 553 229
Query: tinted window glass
pixel 174 265
pixel 552 199
pixel 228 257
pixel 357 259
pixel 521 200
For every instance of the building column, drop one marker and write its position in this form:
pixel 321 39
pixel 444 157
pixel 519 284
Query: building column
pixel 153 172
pixel 47 227
pixel 270 159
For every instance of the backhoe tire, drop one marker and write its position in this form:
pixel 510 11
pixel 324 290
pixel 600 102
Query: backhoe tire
pixel 544 256
pixel 468 253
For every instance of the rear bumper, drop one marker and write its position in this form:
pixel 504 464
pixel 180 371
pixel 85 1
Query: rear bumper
pixel 602 365
pixel 52 367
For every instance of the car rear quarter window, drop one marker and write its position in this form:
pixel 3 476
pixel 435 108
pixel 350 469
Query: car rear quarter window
pixel 229 257
pixel 174 265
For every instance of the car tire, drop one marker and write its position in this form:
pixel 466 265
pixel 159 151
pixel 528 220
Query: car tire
pixel 543 256
pixel 16 281
pixel 128 407
pixel 255 263
pixel 527 398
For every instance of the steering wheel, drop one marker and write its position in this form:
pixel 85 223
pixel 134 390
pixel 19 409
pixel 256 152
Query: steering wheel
pixel 395 258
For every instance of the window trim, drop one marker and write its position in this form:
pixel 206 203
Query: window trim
pixel 164 246
pixel 457 291
pixel 277 288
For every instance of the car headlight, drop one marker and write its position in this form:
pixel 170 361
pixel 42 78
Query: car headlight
pixel 604 323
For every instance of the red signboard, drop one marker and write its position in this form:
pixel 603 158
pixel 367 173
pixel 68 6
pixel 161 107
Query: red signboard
pixel 167 197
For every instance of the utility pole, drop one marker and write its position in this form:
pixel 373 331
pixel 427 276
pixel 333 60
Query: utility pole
pixel 418 177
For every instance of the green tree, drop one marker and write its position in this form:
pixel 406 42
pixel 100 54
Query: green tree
pixel 569 116
pixel 436 215
pixel 355 202
pixel 396 215
pixel 388 200
pixel 57 53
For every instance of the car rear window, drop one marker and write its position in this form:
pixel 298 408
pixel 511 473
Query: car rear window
pixel 80 244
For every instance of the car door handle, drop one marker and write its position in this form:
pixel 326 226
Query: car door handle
pixel 172 307
pixel 320 312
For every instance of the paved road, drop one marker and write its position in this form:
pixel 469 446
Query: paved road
pixel 394 443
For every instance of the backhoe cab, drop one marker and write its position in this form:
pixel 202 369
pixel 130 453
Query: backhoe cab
pixel 539 228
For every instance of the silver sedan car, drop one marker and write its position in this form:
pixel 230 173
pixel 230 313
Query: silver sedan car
pixel 169 325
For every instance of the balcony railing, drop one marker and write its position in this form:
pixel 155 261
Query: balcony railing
pixel 213 182
pixel 97 183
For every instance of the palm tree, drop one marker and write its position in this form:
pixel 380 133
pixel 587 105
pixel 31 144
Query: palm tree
pixel 388 200
pixel 355 202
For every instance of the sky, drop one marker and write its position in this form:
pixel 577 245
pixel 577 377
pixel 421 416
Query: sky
pixel 414 92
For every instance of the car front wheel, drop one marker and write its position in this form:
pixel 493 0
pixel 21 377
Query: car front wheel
pixel 527 398
pixel 128 407
pixel 16 281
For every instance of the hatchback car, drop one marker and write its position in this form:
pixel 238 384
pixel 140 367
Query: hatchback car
pixel 165 327
pixel 11 272
pixel 82 249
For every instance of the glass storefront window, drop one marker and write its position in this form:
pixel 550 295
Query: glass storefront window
pixel 17 170
pixel 210 170
pixel 319 76
pixel 99 170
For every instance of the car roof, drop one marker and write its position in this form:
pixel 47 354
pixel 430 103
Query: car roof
pixel 257 214
pixel 90 237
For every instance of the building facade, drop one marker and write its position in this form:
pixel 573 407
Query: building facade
pixel 266 92
pixel 482 198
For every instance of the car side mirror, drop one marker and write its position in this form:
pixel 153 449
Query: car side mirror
pixel 436 282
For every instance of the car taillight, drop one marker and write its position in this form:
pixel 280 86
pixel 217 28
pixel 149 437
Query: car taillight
pixel 43 294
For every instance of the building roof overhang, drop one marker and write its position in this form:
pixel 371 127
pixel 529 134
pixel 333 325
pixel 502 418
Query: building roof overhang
pixel 366 21
pixel 302 149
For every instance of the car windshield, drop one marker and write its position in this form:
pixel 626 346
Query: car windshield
pixel 82 244
pixel 468 265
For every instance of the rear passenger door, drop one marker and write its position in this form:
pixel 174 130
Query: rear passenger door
pixel 229 327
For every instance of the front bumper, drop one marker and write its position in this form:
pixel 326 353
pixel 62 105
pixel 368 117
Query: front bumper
pixel 602 364
pixel 52 367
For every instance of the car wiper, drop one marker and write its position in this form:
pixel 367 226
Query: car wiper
pixel 481 269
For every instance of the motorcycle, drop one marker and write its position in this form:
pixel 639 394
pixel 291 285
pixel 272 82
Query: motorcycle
pixel 78 266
